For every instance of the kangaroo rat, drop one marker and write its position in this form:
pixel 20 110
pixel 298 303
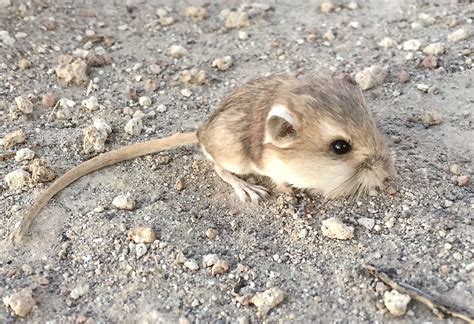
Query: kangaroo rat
pixel 313 133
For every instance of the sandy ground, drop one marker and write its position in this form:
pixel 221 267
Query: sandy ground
pixel 77 260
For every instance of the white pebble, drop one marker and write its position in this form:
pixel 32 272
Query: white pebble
pixel 24 105
pixel 243 35
pixel 134 127
pixel 191 264
pixel 396 302
pixel 17 179
pixel 140 250
pixel 124 202
pixel 335 229
pixel 24 154
pixel 144 101
pixel 387 43
pixel 411 45
pixel 186 93
pixel 177 51
pixel 459 35
pixel 91 103
pixel 371 77
pixel 434 49
pixel 222 63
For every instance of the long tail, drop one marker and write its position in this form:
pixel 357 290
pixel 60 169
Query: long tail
pixel 99 162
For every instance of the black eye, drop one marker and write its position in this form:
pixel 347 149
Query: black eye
pixel 340 147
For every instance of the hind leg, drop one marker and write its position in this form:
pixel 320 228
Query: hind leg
pixel 244 190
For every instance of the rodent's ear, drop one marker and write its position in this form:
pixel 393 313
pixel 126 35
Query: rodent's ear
pixel 280 127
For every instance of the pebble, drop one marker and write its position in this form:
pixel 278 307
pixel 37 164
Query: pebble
pixel 211 233
pixel 21 302
pixel 161 12
pixel 134 127
pixel 166 21
pixel 91 103
pixel 209 260
pixel 222 63
pixel 429 62
pixel 455 169
pixel 72 72
pixel 327 7
pixel 368 223
pixel 426 19
pixel 191 264
pixel 186 93
pixel 411 45
pixel 27 269
pixel 14 138
pixel 124 202
pixel 237 19
pixel 17 179
pixel 267 300
pixel 24 105
pixel 24 64
pixel 140 250
pixel 197 13
pixel 431 118
pixel 220 267
pixel 422 87
pixel 79 291
pixel 352 5
pixel 49 100
pixel 194 76
pixel 139 114
pixel 335 229
pixel 458 35
pixel 329 36
pixel 142 234
pixel 144 101
pixel 434 49
pixel 303 233
pixel 150 85
pixel 177 51
pixel 41 170
pixel 416 25
pixel 396 302
pixel 404 76
pixel 354 24
pixel 179 184
pixel 161 108
pixel 463 181
pixel 95 136
pixel 387 42
pixel 6 38
pixel 371 77
pixel 243 35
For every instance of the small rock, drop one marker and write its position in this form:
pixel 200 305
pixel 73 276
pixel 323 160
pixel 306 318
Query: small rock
pixel 458 35
pixel 463 181
pixel 95 138
pixel 24 105
pixel 17 179
pixel 222 63
pixel 150 85
pixel 422 87
pixel 267 300
pixel 177 51
pixel 411 45
pixel 72 73
pixel 237 19
pixel 24 154
pixel 134 127
pixel 404 76
pixel 303 233
pixel 434 49
pixel 209 260
pixel 27 269
pixel 41 170
pixel 371 77
pixel 161 108
pixel 243 35
pixel 352 5
pixel 140 250
pixel 211 233
pixel 179 185
pixel 368 223
pixel 191 264
pixel 329 36
pixel 455 169
pixel 144 101
pixel 430 62
pixel 194 76
pixel 21 302
pixel 166 21
pixel 24 64
pixel 426 19
pixel 354 24
pixel 161 12
pixel 142 234
pixel 327 7
pixel 396 302
pixel 14 138
pixel 139 114
pixel 335 229
pixel 49 100
pixel 124 202
pixel 387 43
pixel 431 118
pixel 186 93
pixel 79 291
pixel 416 25
pixel 91 104
pixel 220 267
pixel 197 13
